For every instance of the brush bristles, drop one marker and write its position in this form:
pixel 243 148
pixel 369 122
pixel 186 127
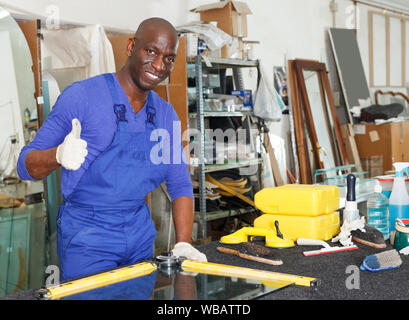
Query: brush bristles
pixel 388 258
pixel 382 261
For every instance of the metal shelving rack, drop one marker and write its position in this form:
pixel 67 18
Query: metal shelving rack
pixel 223 114
pixel 200 115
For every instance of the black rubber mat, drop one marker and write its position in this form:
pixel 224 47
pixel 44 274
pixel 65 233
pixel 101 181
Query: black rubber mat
pixel 339 274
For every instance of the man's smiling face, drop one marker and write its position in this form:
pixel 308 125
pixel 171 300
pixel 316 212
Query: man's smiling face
pixel 152 57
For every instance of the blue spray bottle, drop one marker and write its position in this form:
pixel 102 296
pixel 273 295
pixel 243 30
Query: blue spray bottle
pixel 399 199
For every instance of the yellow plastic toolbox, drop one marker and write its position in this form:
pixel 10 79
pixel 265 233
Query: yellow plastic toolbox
pixel 292 227
pixel 298 199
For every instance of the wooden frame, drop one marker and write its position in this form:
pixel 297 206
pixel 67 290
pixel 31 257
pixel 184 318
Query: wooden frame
pixel 378 92
pixel 305 174
pixel 301 110
pixel 32 31
pixel 371 35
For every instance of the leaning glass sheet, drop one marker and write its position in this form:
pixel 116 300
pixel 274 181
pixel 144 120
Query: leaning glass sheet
pixel 22 227
pixel 17 90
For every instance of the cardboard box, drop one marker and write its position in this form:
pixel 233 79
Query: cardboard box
pixel 348 135
pixel 231 16
pixel 374 165
pixel 388 140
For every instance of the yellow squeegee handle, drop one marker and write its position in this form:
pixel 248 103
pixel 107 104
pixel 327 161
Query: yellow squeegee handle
pixel 98 280
pixel 247 273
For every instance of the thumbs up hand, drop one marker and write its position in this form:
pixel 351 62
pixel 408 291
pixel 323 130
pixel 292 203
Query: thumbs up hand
pixel 72 152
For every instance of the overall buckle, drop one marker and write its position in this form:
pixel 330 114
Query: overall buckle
pixel 120 111
pixel 150 115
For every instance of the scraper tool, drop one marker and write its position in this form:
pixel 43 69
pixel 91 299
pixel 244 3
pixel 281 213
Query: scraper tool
pixel 327 248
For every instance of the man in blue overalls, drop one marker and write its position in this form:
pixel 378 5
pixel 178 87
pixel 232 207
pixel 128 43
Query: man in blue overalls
pixel 100 132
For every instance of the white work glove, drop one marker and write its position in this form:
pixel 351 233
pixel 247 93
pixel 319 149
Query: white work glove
pixel 184 249
pixel 72 152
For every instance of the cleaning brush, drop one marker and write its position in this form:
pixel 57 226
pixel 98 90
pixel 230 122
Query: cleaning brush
pixel 257 249
pixel 371 237
pixel 382 261
pixel 253 251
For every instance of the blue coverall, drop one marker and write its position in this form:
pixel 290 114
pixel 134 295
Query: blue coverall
pixel 104 221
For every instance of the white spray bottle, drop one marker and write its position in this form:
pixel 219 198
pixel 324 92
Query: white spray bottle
pixel 399 199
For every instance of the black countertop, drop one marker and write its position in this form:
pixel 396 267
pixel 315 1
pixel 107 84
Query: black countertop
pixel 338 272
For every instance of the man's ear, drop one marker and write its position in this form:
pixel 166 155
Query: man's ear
pixel 129 47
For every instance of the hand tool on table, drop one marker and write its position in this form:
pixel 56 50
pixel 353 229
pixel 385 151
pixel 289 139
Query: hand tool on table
pixel 327 248
pixel 385 260
pixel 249 257
pixel 272 238
pixel 371 237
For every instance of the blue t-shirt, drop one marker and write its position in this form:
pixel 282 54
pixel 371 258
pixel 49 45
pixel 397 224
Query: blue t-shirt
pixel 90 102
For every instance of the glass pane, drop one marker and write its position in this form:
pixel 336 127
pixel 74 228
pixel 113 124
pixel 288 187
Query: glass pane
pixel 158 286
pixel 16 79
pixel 22 227
pixel 22 248
pixel 318 111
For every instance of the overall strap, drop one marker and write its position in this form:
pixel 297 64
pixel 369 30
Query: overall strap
pixel 150 112
pixel 119 108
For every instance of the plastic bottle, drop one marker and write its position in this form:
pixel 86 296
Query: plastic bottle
pixel 378 211
pixel 399 199
pixel 27 115
pixel 351 212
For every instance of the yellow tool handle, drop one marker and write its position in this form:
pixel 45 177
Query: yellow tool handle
pixel 249 257
pixel 246 273
pixel 99 280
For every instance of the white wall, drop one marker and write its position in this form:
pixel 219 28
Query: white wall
pixel 286 29
pixel 290 28
pixel 363 42
pixel 123 15
pixel 296 26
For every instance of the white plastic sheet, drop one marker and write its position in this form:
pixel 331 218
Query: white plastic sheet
pixel 81 47
pixel 214 37
pixel 266 104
